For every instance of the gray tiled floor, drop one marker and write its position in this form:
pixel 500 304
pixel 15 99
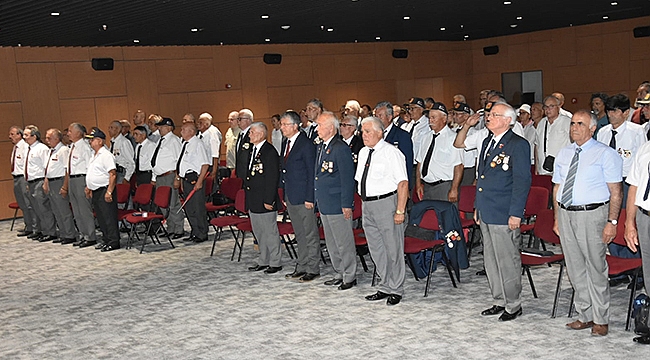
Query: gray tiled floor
pixel 62 302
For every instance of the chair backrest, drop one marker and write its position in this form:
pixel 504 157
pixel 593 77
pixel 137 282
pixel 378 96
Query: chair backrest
pixel 163 196
pixel 544 226
pixel 542 181
pixel 240 201
pixel 537 200
pixel 620 230
pixel 123 192
pixel 230 187
pixel 143 194
pixel 207 185
pixel 356 212
pixel 430 221
pixel 466 198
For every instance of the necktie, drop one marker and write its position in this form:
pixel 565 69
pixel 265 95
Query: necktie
pixel 112 145
pixel 320 154
pixel 612 142
pixel 286 151
pixel 48 161
pixel 137 158
pixel 155 153
pixel 180 159
pixel 489 149
pixel 70 160
pixel 647 188
pixel 13 159
pixel 567 192
pixel 27 161
pixel 647 135
pixel 427 158
pixel 201 136
pixel 364 177
pixel 241 135
pixel 253 157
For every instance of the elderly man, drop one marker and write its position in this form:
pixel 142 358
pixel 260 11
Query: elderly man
pixel 347 128
pixel 100 186
pixel 383 185
pixel 163 163
pixel 139 119
pixel 192 167
pixel 313 110
pixel 439 169
pixel 334 196
pixel 397 137
pixel 560 96
pixel 126 131
pixel 75 184
pixel 245 119
pixel 154 133
pixel 122 150
pixel 420 122
pixel 297 179
pixel 211 137
pixel 536 113
pixel 276 133
pixel 598 101
pixel 188 118
pixel 462 112
pixel 552 135
pixel 523 116
pixel 352 107
pixel 587 200
pixel 637 116
pixel 261 187
pixel 231 140
pixel 144 149
pixel 54 177
pixel 20 185
pixel 501 190
pixel 36 158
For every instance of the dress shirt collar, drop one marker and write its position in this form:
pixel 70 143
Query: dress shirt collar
pixel 584 146
pixel 388 129
pixel 293 138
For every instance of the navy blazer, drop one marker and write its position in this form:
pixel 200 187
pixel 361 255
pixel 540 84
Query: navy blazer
pixel 356 144
pixel 297 175
pixel 261 181
pixel 504 179
pixel 402 140
pixel 242 158
pixel 334 178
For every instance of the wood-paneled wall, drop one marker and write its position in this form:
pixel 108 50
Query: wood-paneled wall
pixel 52 87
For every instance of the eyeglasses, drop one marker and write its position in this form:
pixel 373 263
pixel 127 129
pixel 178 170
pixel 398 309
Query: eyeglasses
pixel 489 115
pixel 548 106
pixel 347 125
pixel 285 124
pixel 243 118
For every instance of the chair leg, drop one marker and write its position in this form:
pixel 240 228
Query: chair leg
pixel 558 290
pixel 426 287
pixel 362 260
pixel 447 265
pixel 632 293
pixel 571 306
pixel 217 236
pixel 14 219
pixel 530 281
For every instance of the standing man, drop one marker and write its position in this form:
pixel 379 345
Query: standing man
pixel 347 128
pixel 231 140
pixel 334 196
pixel 523 116
pixel 463 112
pixel 139 120
pixel 420 123
pixel 122 150
pixel 501 190
pixel 297 179
pixel 383 185
pixel 552 135
pixel 20 185
pixel 126 131
pixel 598 101
pixel 245 119
pixel 261 186
pixel 154 134
pixel 211 137
pixel 75 185
pixel 276 134
pixel 439 169
pixel 35 162
pixel 313 110
pixel 587 200
pixel 54 177
pixel 536 113
pixel 144 149
pixel 100 186
pixel 163 162
pixel 396 136
pixel 192 167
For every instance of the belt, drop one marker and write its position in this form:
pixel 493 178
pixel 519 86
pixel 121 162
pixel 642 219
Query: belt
pixel 55 178
pixel 144 172
pixel 165 174
pixel 35 180
pixel 120 169
pixel 587 207
pixel 644 211
pixel 76 176
pixel 435 182
pixel 373 198
pixel 18 176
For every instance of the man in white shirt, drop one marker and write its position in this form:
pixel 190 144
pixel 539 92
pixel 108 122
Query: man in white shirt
pixel 20 185
pixel 231 140
pixel 276 134
pixel 54 177
pixel 461 113
pixel 313 110
pixel 122 150
pixel 523 116
pixel 560 97
pixel 144 149
pixel 211 137
pixel 552 135
pixel 420 122
pixel 243 145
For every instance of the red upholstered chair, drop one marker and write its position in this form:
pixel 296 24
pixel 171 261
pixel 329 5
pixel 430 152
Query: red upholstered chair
pixel 229 188
pixel 141 199
pixel 414 246
pixel 466 200
pixel 544 181
pixel 285 229
pixel 537 200
pixel 230 221
pixel 161 200
pixel 14 205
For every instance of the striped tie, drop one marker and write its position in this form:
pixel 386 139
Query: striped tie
pixel 567 193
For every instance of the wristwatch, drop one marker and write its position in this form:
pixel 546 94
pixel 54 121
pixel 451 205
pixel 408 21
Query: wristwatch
pixel 613 222
pixel 398 212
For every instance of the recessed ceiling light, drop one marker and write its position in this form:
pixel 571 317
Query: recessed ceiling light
pixel 265 16
pixel 443 29
pixel 466 36
pixel 194 30
pixel 377 37
pixel 104 27
pixel 614 3
pixel 605 17
pixel 221 43
pixel 462 26
pixel 55 14
pixel 19 45
pixel 407 18
pixel 507 2
pixel 513 25
pixel 285 27
pixel 355 40
pixel 322 27
pixel 136 41
pixel 267 39
pixel 330 29
pixel 519 17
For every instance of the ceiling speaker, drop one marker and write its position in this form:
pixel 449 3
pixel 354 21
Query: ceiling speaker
pixel 642 31
pixel 491 50
pixel 101 64
pixel 272 59
pixel 400 53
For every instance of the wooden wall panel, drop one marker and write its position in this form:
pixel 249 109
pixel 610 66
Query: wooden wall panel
pixel 405 90
pixel 197 52
pixel 180 76
pixel 114 53
pixel 10 89
pixel 174 106
pixel 226 67
pixel 227 101
pixel 10 114
pixel 6 147
pixel 615 66
pixel 109 109
pixel 79 80
pixel 300 95
pixel 518 57
pixel 50 54
pixel 344 92
pixel 39 94
pixel 355 67
pixel 372 92
pixel 78 110
pixel 324 69
pixel 280 99
pixel 326 93
pixel 639 48
pixel 293 71
pixel 141 86
pixel 152 52
pixel 254 87
pixel 6 197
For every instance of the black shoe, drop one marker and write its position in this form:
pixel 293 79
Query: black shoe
pixel 506 316
pixel 393 299
pixel 494 310
pixel 99 246
pixel 177 236
pixel 618 281
pixel 34 236
pixel 198 240
pixel 87 243
pixel 106 248
pixel 481 273
pixel 377 296
pixel 272 269
pixel 125 229
pixel 57 241
pixel 68 241
pixel 308 277
pixel 46 238
pixel 333 282
pixel 258 268
pixel 345 286
pixel 188 239
pixel 77 243
pixel 295 275
pixel 24 233
pixel 645 339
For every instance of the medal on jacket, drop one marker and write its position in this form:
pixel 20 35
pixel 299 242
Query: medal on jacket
pixel 505 166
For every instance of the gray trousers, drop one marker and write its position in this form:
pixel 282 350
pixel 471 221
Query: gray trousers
pixel 265 228
pixel 61 208
pixel 643 229
pixel 22 198
pixel 503 264
pixel 195 211
pixel 581 234
pixel 386 243
pixel 438 192
pixel 82 208
pixel 41 204
pixel 340 246
pixel 304 225
pixel 469 175
pixel 175 219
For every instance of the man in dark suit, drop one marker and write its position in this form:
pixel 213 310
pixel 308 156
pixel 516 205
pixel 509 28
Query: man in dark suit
pixel 347 128
pixel 396 136
pixel 261 186
pixel 297 159
pixel 501 190
pixel 334 194
pixel 243 144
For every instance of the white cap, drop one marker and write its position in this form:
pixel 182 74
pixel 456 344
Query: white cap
pixel 524 107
